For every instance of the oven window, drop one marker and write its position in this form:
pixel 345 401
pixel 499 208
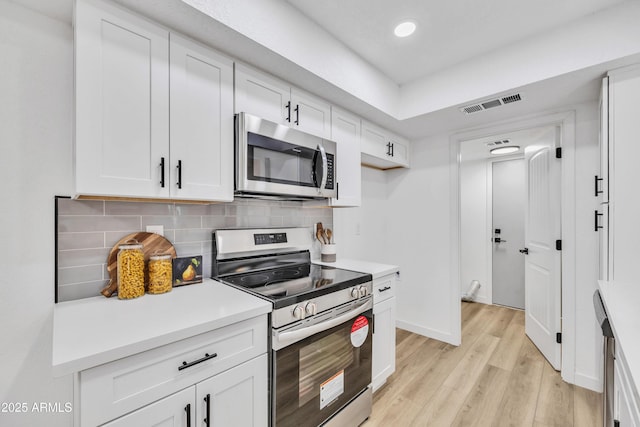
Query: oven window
pixel 323 361
pixel 272 160
pixel 315 377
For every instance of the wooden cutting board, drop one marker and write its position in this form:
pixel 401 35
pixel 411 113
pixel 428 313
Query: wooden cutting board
pixel 152 243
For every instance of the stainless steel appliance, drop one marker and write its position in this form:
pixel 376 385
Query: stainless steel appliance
pixel 276 160
pixel 609 357
pixel 321 325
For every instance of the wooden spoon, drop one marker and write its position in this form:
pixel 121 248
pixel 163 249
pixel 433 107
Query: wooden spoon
pixel 329 234
pixel 320 236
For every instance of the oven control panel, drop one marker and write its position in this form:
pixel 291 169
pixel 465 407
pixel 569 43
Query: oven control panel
pixel 269 238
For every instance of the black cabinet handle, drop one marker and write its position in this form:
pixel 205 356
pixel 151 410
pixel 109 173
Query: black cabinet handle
pixel 616 423
pixel 297 110
pixel 389 149
pixel 595 220
pixel 162 172
pixel 386 288
pixel 207 399
pixel 337 191
pixel 595 183
pixel 524 251
pixel 392 149
pixel 187 409
pixel 288 106
pixel 179 167
pixel 206 357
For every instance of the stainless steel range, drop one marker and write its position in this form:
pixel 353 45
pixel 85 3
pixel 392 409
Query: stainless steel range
pixel 321 325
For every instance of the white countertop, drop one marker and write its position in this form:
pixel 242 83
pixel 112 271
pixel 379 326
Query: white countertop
pixel 375 269
pixel 621 301
pixel 93 331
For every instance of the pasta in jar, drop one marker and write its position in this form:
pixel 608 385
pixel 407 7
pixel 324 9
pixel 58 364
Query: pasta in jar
pixel 160 274
pixel 130 270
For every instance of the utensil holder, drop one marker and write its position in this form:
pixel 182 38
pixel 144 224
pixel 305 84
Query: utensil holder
pixel 328 252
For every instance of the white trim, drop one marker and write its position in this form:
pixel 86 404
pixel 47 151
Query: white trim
pixel 588 382
pixel 566 121
pixel 428 332
pixel 455 308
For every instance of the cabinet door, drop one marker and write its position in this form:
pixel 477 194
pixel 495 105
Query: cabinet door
pixel 237 397
pixel 262 96
pixel 345 131
pixel 400 150
pixel 177 410
pixel 384 342
pixel 625 410
pixel 201 117
pixel 604 142
pixel 310 114
pixel 374 140
pixel 122 102
pixel 624 205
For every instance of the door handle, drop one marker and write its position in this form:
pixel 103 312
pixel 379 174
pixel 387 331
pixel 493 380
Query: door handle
pixel 499 240
pixel 524 251
pixel 596 227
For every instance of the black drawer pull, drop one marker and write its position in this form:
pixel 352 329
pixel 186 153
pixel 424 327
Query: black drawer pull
pixel 386 288
pixel 187 409
pixel 596 225
pixel 206 357
pixel 162 172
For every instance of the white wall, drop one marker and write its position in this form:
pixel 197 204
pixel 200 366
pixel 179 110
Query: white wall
pixel 362 232
pixel 474 234
pixel 36 83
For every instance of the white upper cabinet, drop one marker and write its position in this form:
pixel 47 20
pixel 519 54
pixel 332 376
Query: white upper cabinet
pixel 382 149
pixel 201 135
pixel 269 98
pixel 123 143
pixel 122 102
pixel 345 131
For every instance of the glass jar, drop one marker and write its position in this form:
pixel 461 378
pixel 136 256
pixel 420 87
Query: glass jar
pixel 160 273
pixel 130 270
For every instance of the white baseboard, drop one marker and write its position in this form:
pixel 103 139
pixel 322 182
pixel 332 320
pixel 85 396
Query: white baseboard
pixel 427 332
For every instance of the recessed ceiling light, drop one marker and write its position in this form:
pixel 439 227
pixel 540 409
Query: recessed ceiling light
pixel 405 29
pixel 505 150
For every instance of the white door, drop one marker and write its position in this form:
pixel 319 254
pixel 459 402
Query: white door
pixel 543 260
pixel 201 119
pixel 310 114
pixel 508 201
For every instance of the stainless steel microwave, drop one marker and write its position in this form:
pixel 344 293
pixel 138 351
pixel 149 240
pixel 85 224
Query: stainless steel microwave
pixel 276 160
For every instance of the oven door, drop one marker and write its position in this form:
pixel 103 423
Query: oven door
pixel 275 159
pixel 319 374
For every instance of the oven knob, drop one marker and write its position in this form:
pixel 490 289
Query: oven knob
pixel 310 309
pixel 298 312
pixel 355 293
pixel 363 291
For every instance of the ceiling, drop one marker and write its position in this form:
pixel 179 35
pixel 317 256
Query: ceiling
pixel 448 32
pixel 465 51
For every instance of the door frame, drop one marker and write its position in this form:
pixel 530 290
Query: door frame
pixel 566 122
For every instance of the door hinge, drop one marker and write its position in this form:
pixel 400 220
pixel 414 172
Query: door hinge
pixel 558 152
pixel 558 245
pixel 559 337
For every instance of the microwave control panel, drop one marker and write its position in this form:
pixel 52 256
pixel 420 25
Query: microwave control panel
pixel 330 172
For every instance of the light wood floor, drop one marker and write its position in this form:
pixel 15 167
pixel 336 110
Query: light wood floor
pixel 497 377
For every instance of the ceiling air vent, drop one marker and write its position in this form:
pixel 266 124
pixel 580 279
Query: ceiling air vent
pixel 499 142
pixel 491 103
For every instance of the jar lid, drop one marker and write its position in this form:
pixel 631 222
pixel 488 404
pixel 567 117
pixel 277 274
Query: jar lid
pixel 158 257
pixel 131 244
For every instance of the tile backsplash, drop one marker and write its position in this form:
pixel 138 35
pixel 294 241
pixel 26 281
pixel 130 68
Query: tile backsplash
pixel 88 229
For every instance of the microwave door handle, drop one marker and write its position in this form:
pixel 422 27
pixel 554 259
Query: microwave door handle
pixel 325 171
pixel 285 338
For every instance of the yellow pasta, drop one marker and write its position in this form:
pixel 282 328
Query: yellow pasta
pixel 130 272
pixel 160 274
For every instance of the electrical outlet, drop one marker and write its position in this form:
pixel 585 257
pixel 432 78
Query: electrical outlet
pixel 158 229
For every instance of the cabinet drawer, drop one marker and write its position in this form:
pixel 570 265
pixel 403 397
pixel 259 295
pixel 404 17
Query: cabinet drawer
pixel 116 388
pixel 384 288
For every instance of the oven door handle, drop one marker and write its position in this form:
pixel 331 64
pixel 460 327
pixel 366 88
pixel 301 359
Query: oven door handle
pixel 285 338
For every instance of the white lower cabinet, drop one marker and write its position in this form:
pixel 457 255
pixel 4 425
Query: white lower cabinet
pixel 625 410
pixel 384 336
pixel 227 364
